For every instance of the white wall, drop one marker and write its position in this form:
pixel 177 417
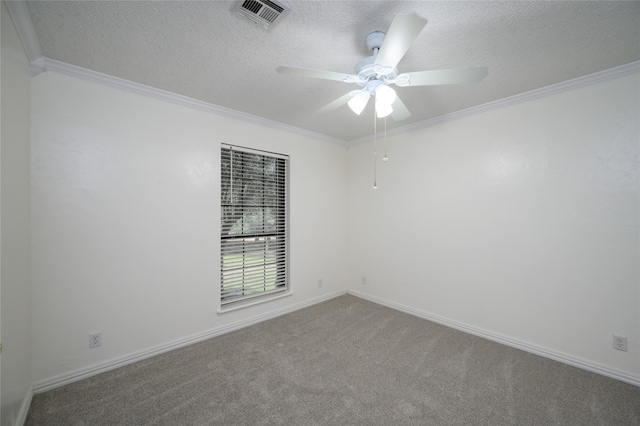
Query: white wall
pixel 522 222
pixel 15 310
pixel 125 222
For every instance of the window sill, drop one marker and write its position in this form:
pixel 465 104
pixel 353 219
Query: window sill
pixel 241 305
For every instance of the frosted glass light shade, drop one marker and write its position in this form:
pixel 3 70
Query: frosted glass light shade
pixel 382 109
pixel 359 101
pixel 385 94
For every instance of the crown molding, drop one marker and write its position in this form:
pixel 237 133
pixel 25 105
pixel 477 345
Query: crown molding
pixel 587 80
pixel 24 27
pixel 19 13
pixel 43 63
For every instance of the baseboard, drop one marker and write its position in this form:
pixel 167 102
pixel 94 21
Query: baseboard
pixel 93 370
pixel 525 346
pixel 87 372
pixel 24 407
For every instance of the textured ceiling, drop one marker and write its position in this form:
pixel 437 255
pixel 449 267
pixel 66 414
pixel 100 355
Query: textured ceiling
pixel 202 50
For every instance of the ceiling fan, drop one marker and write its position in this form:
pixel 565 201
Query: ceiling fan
pixel 375 73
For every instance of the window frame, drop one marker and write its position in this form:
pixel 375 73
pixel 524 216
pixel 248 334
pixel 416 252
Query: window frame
pixel 235 244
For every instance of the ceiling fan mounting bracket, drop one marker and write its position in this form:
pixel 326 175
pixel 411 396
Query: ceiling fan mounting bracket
pixel 374 40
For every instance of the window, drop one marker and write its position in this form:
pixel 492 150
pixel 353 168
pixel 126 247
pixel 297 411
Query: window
pixel 254 224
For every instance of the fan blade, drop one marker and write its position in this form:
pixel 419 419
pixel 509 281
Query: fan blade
pixel 309 72
pixel 400 111
pixel 403 30
pixel 453 76
pixel 338 102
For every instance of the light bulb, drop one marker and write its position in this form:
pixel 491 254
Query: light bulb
pixel 359 101
pixel 375 186
pixel 385 159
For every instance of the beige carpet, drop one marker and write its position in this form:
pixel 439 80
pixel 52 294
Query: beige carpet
pixel 343 362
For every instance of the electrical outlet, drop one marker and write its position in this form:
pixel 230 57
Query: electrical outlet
pixel 620 343
pixel 95 339
pixel 319 282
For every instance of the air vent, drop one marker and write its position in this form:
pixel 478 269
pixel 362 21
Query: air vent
pixel 264 12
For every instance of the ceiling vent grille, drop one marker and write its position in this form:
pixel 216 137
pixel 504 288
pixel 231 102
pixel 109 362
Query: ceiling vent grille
pixel 263 12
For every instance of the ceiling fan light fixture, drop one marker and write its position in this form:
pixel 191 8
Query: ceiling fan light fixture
pixel 359 101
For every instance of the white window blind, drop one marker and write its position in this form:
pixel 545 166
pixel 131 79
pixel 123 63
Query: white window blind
pixel 253 224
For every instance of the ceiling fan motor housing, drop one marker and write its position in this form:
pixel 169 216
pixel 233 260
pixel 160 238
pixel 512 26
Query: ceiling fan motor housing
pixel 366 69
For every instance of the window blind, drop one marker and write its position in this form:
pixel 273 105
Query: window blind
pixel 253 224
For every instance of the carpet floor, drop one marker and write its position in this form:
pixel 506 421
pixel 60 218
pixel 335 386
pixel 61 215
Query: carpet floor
pixel 345 361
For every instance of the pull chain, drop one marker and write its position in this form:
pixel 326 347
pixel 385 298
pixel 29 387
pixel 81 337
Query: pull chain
pixel 385 159
pixel 375 148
